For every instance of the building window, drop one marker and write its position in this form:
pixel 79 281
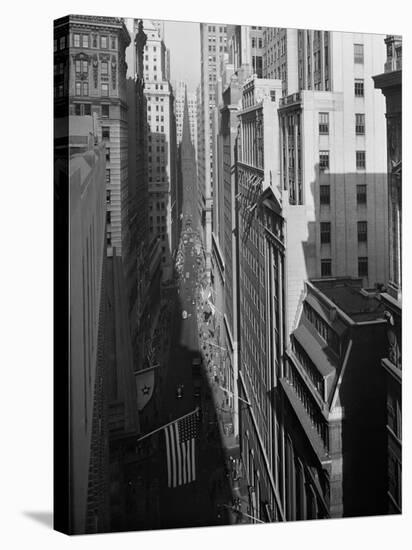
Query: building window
pixel 78 88
pixel 103 42
pixel 360 124
pixel 108 154
pixel 323 123
pixel 76 40
pixel 107 175
pixel 362 232
pixel 113 42
pixel 360 160
pixel 85 89
pixel 95 41
pixel 105 68
pixel 359 87
pixel 106 133
pixel 324 194
pixel 363 266
pixel 62 42
pixel 323 160
pixel 105 89
pixel 85 40
pixel 55 45
pixel 361 194
pixel 272 95
pixel 108 196
pixel 326 267
pixel 358 53
pixel 109 238
pixel 325 232
pixel 105 111
pixel 87 109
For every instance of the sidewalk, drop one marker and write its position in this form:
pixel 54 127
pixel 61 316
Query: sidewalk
pixel 238 509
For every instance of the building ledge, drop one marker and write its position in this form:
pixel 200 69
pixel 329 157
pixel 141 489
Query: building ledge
pixel 388 80
pixel 392 369
pixel 324 361
pixel 311 434
pixel 218 254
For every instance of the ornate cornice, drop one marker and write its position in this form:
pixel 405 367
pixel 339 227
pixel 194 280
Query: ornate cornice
pixel 95 24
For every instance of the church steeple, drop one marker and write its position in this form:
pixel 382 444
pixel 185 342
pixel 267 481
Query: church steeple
pixel 187 144
pixel 188 175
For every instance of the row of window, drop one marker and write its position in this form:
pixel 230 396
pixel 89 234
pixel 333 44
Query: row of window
pixel 257 43
pixel 81 40
pixel 308 366
pixel 149 118
pixel 324 160
pixel 159 206
pixel 315 417
pixel 149 107
pixel 213 48
pixel 59 43
pixel 157 128
pixel 361 194
pixel 81 109
pixel 325 232
pixel 326 267
pixel 212 28
pixel 359 124
pixel 82 89
pixel 322 328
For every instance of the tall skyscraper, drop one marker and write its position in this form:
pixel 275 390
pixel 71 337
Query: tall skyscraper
pixel 163 214
pixel 96 84
pixel 332 143
pixel 261 291
pixel 390 82
pixel 90 85
pixel 88 453
pixel 213 43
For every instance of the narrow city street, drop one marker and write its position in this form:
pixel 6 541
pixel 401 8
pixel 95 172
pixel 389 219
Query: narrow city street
pixel 197 503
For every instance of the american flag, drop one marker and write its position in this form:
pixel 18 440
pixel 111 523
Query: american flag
pixel 180 450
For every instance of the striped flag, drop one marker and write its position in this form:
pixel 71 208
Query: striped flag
pixel 180 450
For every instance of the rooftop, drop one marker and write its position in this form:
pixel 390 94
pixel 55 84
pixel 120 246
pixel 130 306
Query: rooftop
pixel 347 295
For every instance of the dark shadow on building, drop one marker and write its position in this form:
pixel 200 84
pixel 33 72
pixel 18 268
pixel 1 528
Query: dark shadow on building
pixel 333 387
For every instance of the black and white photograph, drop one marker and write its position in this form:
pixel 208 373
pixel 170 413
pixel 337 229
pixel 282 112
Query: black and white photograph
pixel 234 272
pixel 228 252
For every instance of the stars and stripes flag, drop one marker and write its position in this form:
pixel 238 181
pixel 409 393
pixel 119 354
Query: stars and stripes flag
pixel 180 450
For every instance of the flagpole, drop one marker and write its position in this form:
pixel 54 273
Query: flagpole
pixel 148 368
pixel 166 425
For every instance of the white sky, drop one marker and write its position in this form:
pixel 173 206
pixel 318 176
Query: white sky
pixel 183 40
